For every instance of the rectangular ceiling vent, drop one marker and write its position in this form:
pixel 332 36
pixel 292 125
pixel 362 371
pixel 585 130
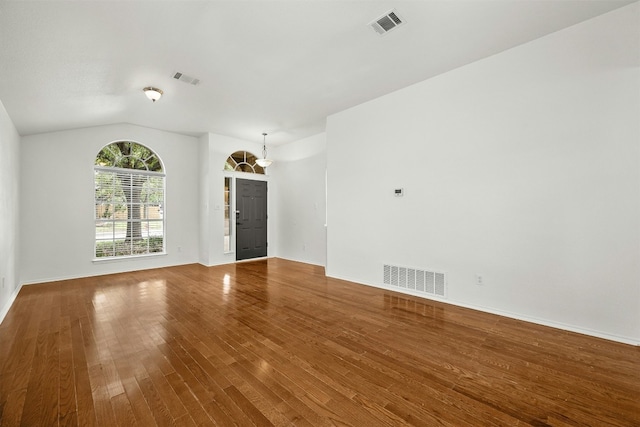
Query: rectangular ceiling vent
pixel 387 22
pixel 422 281
pixel 186 79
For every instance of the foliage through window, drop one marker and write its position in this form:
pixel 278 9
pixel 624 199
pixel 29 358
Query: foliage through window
pixel 243 161
pixel 129 201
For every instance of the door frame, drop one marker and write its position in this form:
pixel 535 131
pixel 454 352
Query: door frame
pixel 252 219
pixel 232 224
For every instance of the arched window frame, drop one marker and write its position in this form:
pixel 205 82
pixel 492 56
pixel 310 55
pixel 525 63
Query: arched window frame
pixel 129 182
pixel 243 161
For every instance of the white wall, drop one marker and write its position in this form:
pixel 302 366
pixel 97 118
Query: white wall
pixel 9 211
pixel 523 167
pixel 205 188
pixel 57 208
pixel 299 193
pixel 214 150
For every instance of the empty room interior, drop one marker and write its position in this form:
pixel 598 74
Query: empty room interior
pixel 320 213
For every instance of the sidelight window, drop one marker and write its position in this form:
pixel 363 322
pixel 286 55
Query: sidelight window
pixel 227 214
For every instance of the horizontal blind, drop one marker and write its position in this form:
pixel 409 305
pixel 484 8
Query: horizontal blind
pixel 129 212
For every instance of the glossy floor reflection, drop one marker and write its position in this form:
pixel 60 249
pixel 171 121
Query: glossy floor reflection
pixel 274 342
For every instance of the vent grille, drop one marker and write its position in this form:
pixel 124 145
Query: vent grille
pixel 186 79
pixel 386 22
pixel 415 279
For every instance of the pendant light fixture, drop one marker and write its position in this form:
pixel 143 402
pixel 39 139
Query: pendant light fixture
pixel 152 93
pixel 264 162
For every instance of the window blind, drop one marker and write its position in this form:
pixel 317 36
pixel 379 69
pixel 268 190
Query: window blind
pixel 129 212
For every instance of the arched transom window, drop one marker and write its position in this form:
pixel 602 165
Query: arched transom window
pixel 243 161
pixel 129 185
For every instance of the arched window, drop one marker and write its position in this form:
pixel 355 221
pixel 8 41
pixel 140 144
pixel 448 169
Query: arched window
pixel 243 161
pixel 129 201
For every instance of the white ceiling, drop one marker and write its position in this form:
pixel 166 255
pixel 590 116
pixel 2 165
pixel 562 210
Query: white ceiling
pixel 265 66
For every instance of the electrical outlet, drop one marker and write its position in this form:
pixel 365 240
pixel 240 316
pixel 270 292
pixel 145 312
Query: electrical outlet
pixel 179 248
pixel 3 283
pixel 479 280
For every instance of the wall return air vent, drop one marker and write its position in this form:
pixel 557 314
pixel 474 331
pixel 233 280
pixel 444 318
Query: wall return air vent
pixel 428 283
pixel 387 22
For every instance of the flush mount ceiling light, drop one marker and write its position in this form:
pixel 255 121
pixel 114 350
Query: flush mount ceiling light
pixel 152 93
pixel 264 162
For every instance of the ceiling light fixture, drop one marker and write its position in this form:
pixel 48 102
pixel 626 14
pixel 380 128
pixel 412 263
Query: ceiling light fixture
pixel 264 162
pixel 153 93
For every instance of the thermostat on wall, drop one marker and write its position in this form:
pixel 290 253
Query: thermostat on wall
pixel 398 192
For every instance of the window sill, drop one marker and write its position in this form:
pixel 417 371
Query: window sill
pixel 128 258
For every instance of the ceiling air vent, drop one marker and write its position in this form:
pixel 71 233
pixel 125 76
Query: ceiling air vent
pixel 186 79
pixel 387 22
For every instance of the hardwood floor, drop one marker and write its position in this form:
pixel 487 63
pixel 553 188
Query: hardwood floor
pixel 274 342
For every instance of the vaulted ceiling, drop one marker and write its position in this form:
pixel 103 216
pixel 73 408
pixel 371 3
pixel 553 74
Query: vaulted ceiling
pixel 275 66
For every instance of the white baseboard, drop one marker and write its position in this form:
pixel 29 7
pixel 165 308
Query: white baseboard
pixel 544 322
pixel 301 261
pixel 517 316
pixel 5 310
pixel 98 274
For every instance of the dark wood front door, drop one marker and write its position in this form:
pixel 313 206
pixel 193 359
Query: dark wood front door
pixel 251 219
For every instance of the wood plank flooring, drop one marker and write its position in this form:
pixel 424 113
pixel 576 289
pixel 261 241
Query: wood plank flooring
pixel 275 342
